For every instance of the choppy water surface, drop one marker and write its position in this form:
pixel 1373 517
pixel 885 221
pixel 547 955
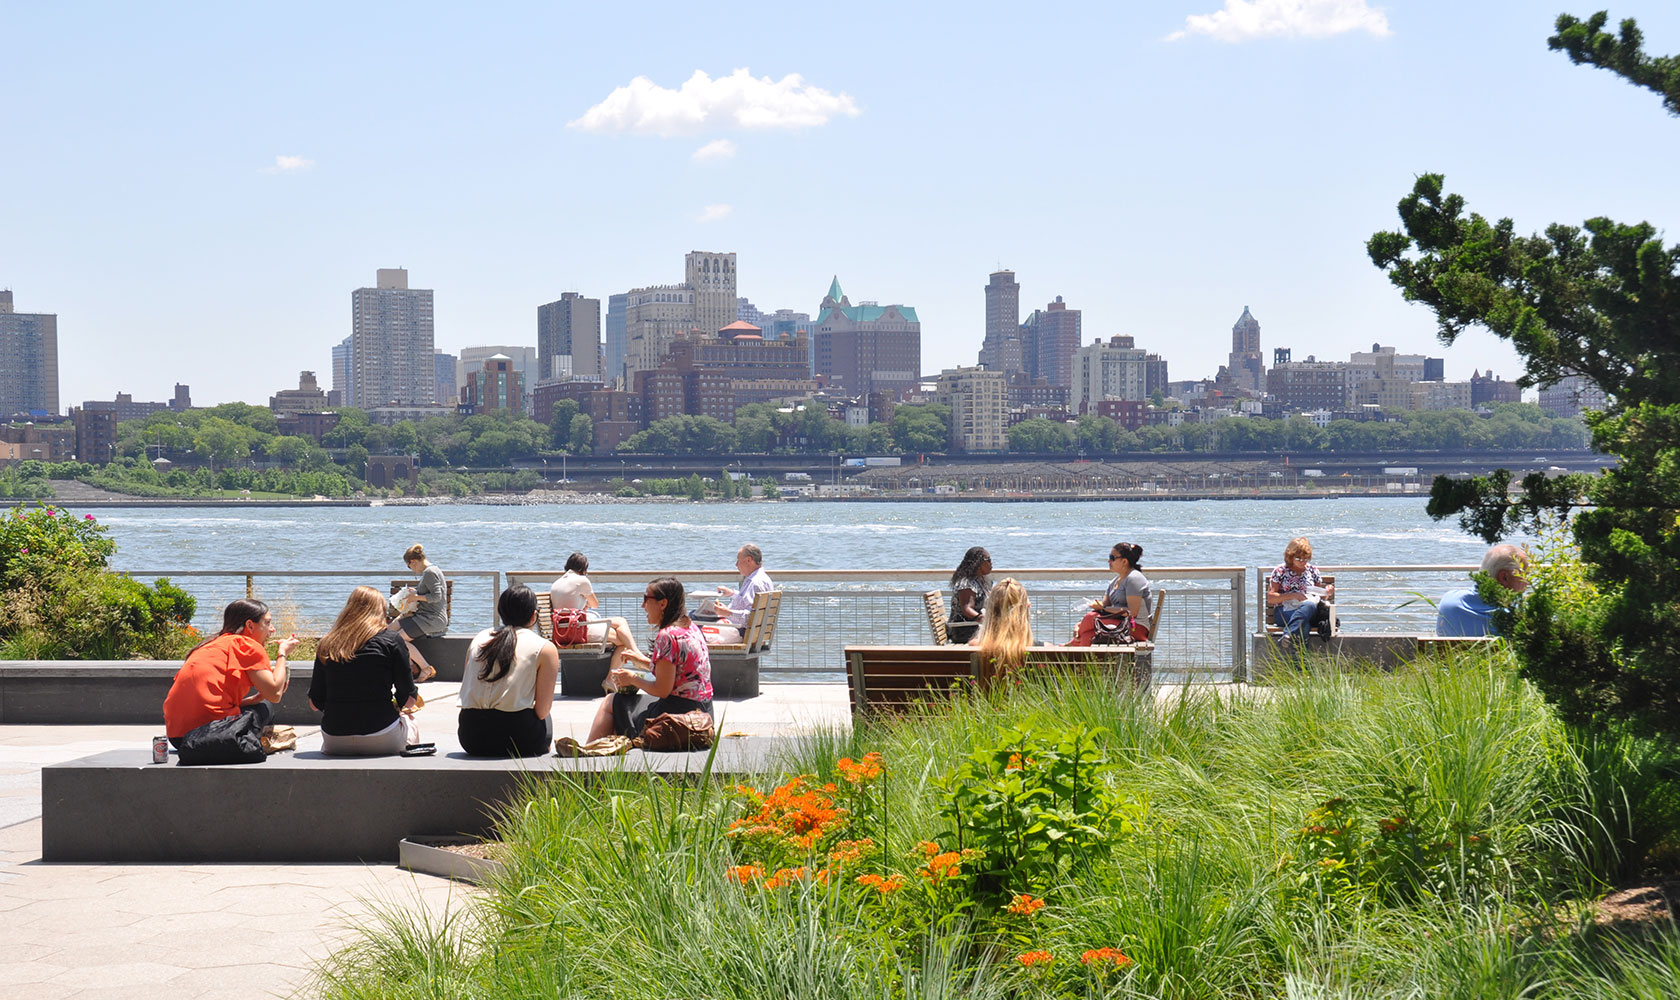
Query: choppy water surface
pixel 794 536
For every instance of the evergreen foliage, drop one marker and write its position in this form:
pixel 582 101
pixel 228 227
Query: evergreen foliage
pixel 1600 300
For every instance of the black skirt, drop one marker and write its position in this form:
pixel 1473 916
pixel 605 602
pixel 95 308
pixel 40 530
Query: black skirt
pixel 632 710
pixel 491 732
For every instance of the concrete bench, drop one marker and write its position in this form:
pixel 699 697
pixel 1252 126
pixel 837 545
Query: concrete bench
pixel 115 692
pixel 307 807
pixel 1385 651
pixel 883 678
pixel 448 653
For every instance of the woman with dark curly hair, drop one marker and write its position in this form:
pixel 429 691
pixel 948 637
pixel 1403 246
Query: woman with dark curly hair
pixel 969 587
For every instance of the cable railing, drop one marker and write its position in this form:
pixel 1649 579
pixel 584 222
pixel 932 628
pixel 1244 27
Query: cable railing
pixel 1207 620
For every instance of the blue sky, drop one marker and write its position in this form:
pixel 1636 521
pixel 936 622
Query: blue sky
pixel 196 189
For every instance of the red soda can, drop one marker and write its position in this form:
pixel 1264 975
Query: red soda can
pixel 160 749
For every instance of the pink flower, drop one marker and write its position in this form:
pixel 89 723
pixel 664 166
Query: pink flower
pixel 87 517
pixel 23 551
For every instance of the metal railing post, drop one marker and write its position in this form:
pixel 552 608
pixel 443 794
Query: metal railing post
pixel 1239 633
pixel 495 594
pixel 250 585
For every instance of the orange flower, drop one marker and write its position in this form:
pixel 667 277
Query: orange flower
pixel 851 850
pixel 856 772
pixel 1105 957
pixel 1024 905
pixel 785 876
pixel 1032 958
pixel 928 848
pixel 1014 762
pixel 882 885
pixel 942 866
pixel 802 815
pixel 745 873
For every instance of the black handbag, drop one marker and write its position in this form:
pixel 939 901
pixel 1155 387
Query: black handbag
pixel 236 739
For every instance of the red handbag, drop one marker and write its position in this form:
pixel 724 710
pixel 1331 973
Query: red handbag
pixel 571 626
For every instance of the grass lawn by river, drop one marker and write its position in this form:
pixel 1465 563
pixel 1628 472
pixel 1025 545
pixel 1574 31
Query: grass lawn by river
pixel 1434 833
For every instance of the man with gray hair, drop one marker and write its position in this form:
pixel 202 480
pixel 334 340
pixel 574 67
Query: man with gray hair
pixel 749 562
pixel 1464 613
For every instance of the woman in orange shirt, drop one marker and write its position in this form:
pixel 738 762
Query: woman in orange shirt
pixel 216 681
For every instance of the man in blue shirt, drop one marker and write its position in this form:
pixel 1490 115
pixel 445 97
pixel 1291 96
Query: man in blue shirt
pixel 1463 612
pixel 749 562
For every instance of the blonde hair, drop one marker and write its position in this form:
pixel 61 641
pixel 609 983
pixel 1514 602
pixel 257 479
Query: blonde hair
pixel 363 618
pixel 1006 630
pixel 1298 547
pixel 414 552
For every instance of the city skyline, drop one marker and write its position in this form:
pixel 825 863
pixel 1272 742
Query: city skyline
pixel 199 188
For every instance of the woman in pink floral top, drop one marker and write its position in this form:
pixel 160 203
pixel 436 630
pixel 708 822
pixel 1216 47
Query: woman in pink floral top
pixel 675 678
pixel 1287 593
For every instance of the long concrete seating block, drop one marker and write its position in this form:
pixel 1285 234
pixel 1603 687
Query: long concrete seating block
pixel 114 692
pixel 307 807
pixel 734 675
pixel 1351 649
pixel 448 653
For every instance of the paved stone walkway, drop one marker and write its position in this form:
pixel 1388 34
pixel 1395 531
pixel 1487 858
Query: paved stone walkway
pixel 232 931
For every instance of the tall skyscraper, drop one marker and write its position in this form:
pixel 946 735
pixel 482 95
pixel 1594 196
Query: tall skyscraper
pixel 712 276
pixel 28 360
pixel 1118 369
pixel 867 347
pixel 391 343
pixel 1247 368
pixel 1001 350
pixel 339 394
pixel 615 336
pixel 1057 334
pixel 653 317
pixel 443 377
pixel 569 328
pixel 977 398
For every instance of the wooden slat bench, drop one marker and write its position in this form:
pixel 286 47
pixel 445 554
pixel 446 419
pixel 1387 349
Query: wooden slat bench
pixel 883 678
pixel 583 666
pixel 735 664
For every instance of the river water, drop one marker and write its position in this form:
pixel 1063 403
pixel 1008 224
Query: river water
pixel 820 536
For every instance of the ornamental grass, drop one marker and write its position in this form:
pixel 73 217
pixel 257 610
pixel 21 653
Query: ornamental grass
pixel 1434 832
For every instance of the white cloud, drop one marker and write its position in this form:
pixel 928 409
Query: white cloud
pixel 713 213
pixel 1244 20
pixel 737 101
pixel 717 149
pixel 289 165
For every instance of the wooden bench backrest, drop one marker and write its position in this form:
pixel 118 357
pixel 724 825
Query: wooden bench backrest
pixel 1155 615
pixel 883 678
pixel 934 600
pixel 760 626
pixel 448 593
pixel 545 614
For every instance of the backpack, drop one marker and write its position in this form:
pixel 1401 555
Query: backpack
pixel 571 626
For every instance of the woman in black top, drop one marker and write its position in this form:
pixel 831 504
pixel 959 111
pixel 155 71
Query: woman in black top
pixel 361 677
pixel 969 585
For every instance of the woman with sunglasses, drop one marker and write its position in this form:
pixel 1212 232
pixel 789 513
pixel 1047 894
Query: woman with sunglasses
pixel 678 673
pixel 1126 599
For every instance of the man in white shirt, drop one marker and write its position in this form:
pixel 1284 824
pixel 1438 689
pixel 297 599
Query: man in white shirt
pixel 749 562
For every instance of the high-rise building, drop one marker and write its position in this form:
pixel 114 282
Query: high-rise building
pixel 342 377
pixel 306 398
pixel 1490 388
pixel 712 277
pixel 867 347
pixel 1384 363
pixel 614 335
pixel 443 374
pixel 569 328
pixel 391 343
pixel 496 386
pixel 1247 367
pixel 182 401
pixel 472 360
pixel 758 370
pixel 1309 384
pixel 28 360
pixel 1572 395
pixel 1057 334
pixel 653 317
pixel 1117 369
pixel 976 397
pixel 1001 350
